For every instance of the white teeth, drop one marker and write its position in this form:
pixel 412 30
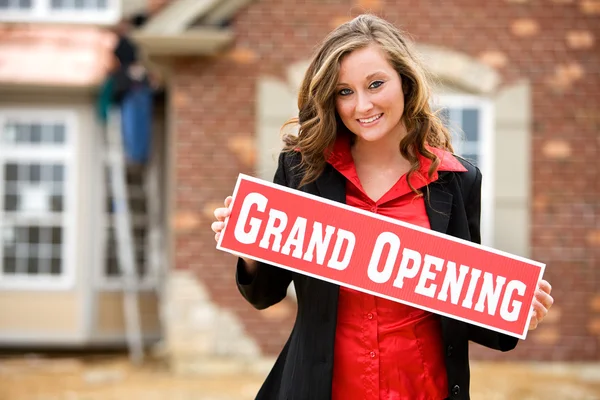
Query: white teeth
pixel 366 121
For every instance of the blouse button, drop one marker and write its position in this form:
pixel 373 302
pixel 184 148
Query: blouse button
pixel 370 316
pixel 456 390
pixel 372 354
pixel 374 209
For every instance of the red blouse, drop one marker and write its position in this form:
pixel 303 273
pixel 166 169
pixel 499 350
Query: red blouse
pixel 383 349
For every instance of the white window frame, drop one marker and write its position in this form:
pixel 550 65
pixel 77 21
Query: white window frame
pixel 41 11
pixel 64 153
pixel 485 152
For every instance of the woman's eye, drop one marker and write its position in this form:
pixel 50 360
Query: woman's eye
pixel 345 92
pixel 375 84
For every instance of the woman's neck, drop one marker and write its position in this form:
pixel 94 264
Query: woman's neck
pixel 382 153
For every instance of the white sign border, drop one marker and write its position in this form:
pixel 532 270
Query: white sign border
pixel 242 177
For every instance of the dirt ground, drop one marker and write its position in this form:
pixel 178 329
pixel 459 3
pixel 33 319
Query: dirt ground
pixel 113 378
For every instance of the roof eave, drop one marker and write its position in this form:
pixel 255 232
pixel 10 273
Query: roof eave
pixel 194 42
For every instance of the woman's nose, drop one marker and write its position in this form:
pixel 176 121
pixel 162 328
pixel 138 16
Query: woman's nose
pixel 363 104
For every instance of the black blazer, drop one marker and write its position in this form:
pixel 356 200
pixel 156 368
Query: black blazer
pixel 304 369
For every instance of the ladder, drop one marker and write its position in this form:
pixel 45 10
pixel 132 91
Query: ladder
pixel 117 170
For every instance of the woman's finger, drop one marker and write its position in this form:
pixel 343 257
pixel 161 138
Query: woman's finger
pixel 544 298
pixel 545 286
pixel 217 226
pixel 221 213
pixel 228 201
pixel 217 235
pixel 540 310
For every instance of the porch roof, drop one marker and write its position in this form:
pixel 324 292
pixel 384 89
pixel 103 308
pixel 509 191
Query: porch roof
pixel 189 28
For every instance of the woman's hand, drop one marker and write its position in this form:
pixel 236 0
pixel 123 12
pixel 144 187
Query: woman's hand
pixel 541 304
pixel 221 214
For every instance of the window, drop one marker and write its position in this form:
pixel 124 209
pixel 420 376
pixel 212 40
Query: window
pixel 15 4
pixel 94 5
pixel 36 198
pixel 470 121
pixel 79 11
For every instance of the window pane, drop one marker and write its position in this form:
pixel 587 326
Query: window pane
pixel 450 117
pixel 11 202
pixel 79 4
pixel 9 133
pixel 470 124
pixel 46 239
pixel 56 260
pixel 57 203
pixel 58 173
pixel 33 265
pixel 137 206
pixel 11 172
pixel 59 133
pixel 10 250
pixel 474 158
pixel 47 133
pixel 21 234
pixel 112 268
pixel 36 133
pixel 34 234
pixel 56 235
pixel 139 233
pixel 9 265
pixel 47 172
pixel 23 133
pixel 4 4
pixel 56 4
pixel 23 172
pixel 44 265
pixel 444 116
pixel 35 173
pixel 56 266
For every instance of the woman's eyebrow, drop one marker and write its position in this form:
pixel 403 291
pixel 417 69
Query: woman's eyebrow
pixel 374 74
pixel 367 78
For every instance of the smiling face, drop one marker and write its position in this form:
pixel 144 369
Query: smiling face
pixel 369 97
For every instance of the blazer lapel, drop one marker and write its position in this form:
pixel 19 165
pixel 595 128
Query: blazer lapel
pixel 438 204
pixel 331 185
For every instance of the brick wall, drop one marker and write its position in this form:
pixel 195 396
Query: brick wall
pixel 553 44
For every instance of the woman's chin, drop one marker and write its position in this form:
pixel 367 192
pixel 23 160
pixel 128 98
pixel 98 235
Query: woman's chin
pixel 371 135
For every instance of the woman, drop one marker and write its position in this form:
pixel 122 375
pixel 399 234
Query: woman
pixel 368 137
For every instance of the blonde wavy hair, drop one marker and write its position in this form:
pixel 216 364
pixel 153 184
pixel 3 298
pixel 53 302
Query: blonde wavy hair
pixel 318 122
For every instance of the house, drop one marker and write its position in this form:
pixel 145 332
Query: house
pixel 516 78
pixel 60 284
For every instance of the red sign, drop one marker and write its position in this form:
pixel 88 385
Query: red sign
pixel 381 256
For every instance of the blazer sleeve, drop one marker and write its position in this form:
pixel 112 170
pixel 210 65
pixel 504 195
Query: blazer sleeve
pixel 268 285
pixel 477 334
